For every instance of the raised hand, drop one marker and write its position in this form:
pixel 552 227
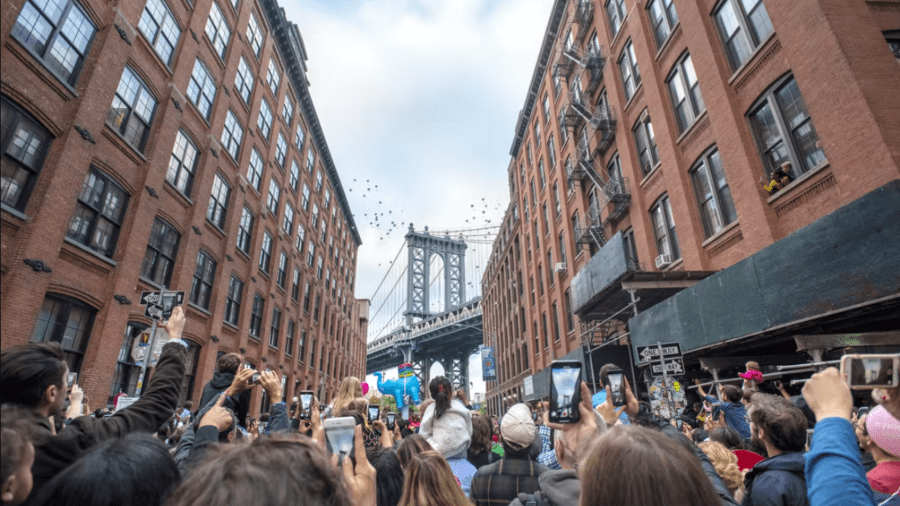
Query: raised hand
pixel 175 325
pixel 269 381
pixel 217 416
pixel 239 383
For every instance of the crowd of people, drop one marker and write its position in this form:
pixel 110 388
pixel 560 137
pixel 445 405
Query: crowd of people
pixel 743 447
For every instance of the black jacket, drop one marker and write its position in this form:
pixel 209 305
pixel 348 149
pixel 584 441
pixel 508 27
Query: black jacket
pixel 778 481
pixel 220 382
pixel 147 414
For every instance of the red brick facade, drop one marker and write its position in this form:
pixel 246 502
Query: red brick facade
pixel 834 50
pixel 107 288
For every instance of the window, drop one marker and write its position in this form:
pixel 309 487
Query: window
pixel 314 222
pixel 663 18
pixel 273 77
pixel 631 76
pixel 537 133
pixel 546 108
pixel 274 197
pixel 289 340
pixel 232 133
pixel 132 110
pixel 664 229
pixel 563 131
pixel 631 256
pixel 743 25
pixel 265 252
pixel 318 181
pixel 301 237
pixel 25 144
pixel 282 269
pixel 784 130
pixel 310 159
pixel 544 326
pixel 306 296
pixel 295 176
pixel 233 300
pixel 562 247
pixel 295 286
pixel 555 321
pixel 256 315
pixel 254 35
pixel 570 318
pixel 713 194
pixel 685 92
pixel 557 83
pixel 301 350
pixel 218 202
pixel 58 33
pixel 202 89
pixel 541 174
pixel 594 45
pixel 288 223
pixel 326 202
pixel 159 26
pixel 245 231
pixel 204 274
pixel 319 267
pixel 280 150
pixel 556 199
pixel 287 110
pixel 127 372
pixel 243 80
pixel 540 273
pixel 646 144
pixel 546 219
pixel 182 164
pixel 264 121
pixel 98 213
pixel 550 267
pixel 551 150
pixel 299 136
pixel 615 10
pixel 217 30
pixel 160 255
pixel 614 168
pixel 190 372
pixel 311 253
pixel 68 322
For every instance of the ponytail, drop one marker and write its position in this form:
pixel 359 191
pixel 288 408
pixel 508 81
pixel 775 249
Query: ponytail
pixel 440 391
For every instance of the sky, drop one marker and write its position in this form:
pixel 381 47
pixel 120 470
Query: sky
pixel 418 100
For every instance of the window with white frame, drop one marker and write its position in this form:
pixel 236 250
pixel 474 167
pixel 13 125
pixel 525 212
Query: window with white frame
pixel 310 159
pixel 182 164
pixel 243 80
pixel 264 120
pixel 245 231
pixel 326 202
pixel 273 77
pixel 273 197
pixel 287 110
pixel 159 26
pixel 663 18
pixel 232 134
pixel 648 154
pixel 664 229
pixel 218 202
pixel 318 181
pixel 254 35
pixel 217 30
pixel 685 92
pixel 631 76
pixel 301 237
pixel 288 224
pixel 255 170
pixel 132 110
pixel 713 194
pixel 280 150
pixel 743 26
pixel 299 137
pixel 58 33
pixel 201 88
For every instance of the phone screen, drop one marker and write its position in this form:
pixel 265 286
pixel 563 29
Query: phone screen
pixel 73 377
pixel 679 423
pixel 391 419
pixel 373 413
pixel 616 387
pixel 872 371
pixel 339 436
pixel 565 392
pixel 305 404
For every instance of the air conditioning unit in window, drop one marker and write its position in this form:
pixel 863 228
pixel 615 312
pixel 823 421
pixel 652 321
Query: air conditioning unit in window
pixel 560 267
pixel 663 260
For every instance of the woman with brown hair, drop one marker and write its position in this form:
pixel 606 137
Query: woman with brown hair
pixel 479 452
pixel 430 482
pixel 726 464
pixel 350 389
pixel 410 447
pixel 637 466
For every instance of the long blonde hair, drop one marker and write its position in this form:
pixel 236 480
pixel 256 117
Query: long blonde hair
pixel 350 389
pixel 726 464
pixel 430 482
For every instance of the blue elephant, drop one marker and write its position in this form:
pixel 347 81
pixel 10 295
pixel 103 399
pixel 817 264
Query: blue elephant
pixel 406 384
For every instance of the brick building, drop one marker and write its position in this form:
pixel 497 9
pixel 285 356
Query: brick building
pixel 639 210
pixel 172 143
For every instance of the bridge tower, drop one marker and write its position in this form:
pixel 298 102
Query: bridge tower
pixel 422 246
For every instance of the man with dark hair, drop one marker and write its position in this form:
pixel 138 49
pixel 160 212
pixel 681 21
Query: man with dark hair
pixel 34 376
pixel 226 368
pixel 778 480
pixel 730 404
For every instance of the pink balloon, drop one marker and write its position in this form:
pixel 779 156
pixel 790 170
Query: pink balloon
pixel 365 388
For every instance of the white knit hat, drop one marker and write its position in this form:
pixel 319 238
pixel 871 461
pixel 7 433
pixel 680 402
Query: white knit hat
pixel 517 427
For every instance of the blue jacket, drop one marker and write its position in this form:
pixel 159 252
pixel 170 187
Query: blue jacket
pixel 778 481
pixel 834 471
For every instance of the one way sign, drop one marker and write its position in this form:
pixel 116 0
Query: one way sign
pixel 674 367
pixel 648 353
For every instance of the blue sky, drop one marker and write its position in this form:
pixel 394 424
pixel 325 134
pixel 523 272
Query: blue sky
pixel 419 98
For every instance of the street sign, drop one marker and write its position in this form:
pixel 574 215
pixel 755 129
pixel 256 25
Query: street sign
pixel 159 306
pixel 674 367
pixel 648 353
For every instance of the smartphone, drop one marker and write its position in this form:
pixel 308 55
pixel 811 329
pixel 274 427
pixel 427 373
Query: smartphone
pixel 565 391
pixel 306 398
pixel 253 379
pixel 616 380
pixel 339 436
pixel 391 420
pixel 534 415
pixel 871 371
pixel 679 423
pixel 374 412
pixel 73 378
pixel 863 411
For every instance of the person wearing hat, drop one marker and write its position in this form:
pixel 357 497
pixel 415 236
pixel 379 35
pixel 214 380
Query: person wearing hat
pixel 501 482
pixel 879 434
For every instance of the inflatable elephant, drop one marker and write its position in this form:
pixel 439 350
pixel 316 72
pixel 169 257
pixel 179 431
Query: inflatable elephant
pixel 406 384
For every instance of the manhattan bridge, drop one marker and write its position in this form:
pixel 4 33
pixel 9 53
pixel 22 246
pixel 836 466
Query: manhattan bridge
pixel 427 308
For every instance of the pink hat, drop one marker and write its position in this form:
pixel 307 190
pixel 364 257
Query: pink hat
pixel 884 430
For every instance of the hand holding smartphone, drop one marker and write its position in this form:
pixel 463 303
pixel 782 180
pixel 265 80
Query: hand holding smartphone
pixel 865 372
pixel 616 385
pixel 339 434
pixel 565 391
pixel 374 412
pixel 306 399
pixel 391 420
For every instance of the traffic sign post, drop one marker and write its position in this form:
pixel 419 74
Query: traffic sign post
pixel 159 306
pixel 674 366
